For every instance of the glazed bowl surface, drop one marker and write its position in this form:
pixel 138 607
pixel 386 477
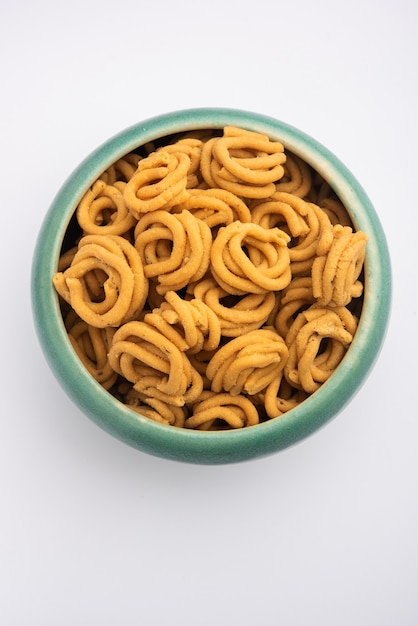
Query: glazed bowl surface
pixel 229 446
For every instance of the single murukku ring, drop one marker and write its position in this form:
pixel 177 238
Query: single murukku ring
pixel 122 170
pixel 236 318
pixel 297 177
pixel 190 324
pixel 263 166
pixel 317 241
pixel 159 182
pixel 102 210
pixel 91 346
pixel 297 296
pixel 249 363
pixel 105 283
pixel 216 207
pixel 233 411
pixel 168 374
pixel 247 258
pixel 279 397
pixel 155 409
pixel 336 211
pixel 276 213
pixel 335 274
pixel 317 341
pixel 193 148
pixel 174 248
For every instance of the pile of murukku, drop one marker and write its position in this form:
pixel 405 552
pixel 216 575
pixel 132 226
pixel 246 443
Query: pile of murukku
pixel 214 280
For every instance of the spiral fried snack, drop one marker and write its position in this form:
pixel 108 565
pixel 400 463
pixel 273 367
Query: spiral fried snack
pixel 174 248
pixel 243 162
pixel 335 274
pixel 316 240
pixel 285 212
pixel 235 411
pixel 310 362
pixel 159 182
pixel 191 325
pixel 249 312
pixel 92 345
pixel 297 296
pixel 249 363
pixel 336 211
pixel 215 207
pixel 279 397
pixel 154 364
pixel 297 177
pixel 102 210
pixel 122 170
pixel 246 258
pixel 105 283
pixel 193 148
pixel 155 409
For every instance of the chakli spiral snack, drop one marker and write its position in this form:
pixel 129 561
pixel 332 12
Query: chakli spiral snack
pixel 335 274
pixel 103 211
pixel 159 182
pixel 246 258
pixel 211 408
pixel 248 363
pixel 243 162
pixel 307 366
pixel 214 281
pixel 92 346
pixel 105 283
pixel 174 248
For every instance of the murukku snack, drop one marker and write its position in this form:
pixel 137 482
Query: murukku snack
pixel 174 248
pixel 235 411
pixel 92 345
pixel 308 366
pixel 211 280
pixel 105 283
pixel 122 170
pixel 159 182
pixel 103 211
pixel 191 324
pixel 248 363
pixel 154 364
pixel 279 397
pixel 243 162
pixel 246 258
pixel 335 274
pixel 155 409
pixel 248 312
pixel 216 207
pixel 297 177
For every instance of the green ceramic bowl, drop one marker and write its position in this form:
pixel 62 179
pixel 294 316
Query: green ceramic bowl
pixel 225 446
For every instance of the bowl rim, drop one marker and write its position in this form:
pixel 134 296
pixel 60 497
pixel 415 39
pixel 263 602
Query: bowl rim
pixel 224 446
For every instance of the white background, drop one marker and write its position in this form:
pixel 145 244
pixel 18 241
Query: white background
pixel 93 532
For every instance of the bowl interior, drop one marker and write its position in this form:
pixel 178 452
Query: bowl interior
pixel 223 446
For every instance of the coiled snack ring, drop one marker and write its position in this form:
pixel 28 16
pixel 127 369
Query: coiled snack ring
pixel 102 210
pixel 159 182
pixel 247 258
pixel 105 283
pixel 92 345
pixel 174 248
pixel 335 274
pixel 249 363
pixel 247 313
pixel 243 162
pixel 317 340
pixel 154 364
pixel 211 408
